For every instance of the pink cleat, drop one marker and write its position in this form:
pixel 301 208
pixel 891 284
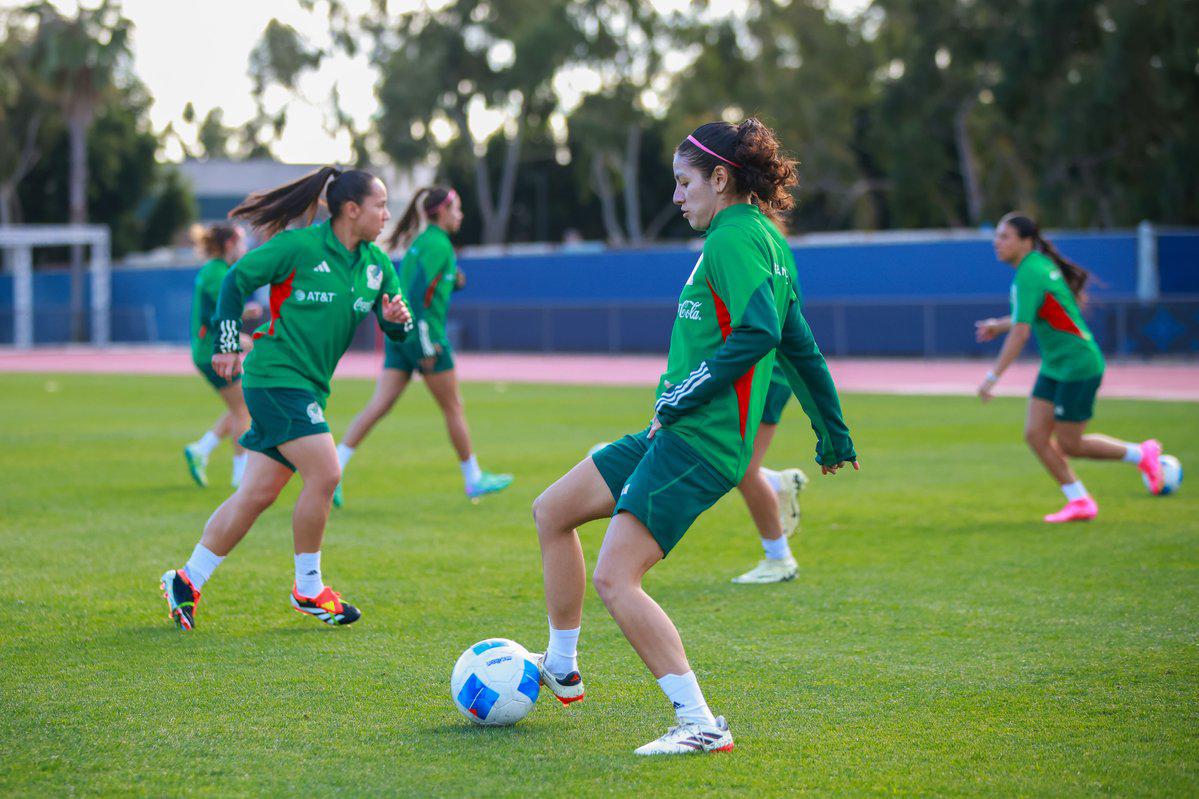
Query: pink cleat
pixel 1076 510
pixel 1151 466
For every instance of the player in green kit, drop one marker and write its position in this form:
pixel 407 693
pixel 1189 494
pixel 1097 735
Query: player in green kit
pixel 1045 303
pixel 324 280
pixel 222 245
pixel 429 273
pixel 737 308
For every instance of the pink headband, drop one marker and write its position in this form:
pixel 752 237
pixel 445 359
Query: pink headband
pixel 448 198
pixel 697 143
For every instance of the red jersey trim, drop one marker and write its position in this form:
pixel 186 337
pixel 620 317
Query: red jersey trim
pixel 744 385
pixel 1057 318
pixel 279 293
pixel 432 288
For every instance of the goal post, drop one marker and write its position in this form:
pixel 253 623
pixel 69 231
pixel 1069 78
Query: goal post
pixel 19 241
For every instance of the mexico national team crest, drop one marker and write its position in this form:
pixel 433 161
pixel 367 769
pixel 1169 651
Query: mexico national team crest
pixel 374 277
pixel 315 414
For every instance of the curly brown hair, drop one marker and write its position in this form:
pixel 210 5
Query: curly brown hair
pixel 754 158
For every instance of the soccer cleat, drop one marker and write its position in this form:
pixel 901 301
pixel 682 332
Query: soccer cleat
pixel 770 570
pixel 182 598
pixel 326 606
pixel 488 483
pixel 792 481
pixel 566 689
pixel 1076 510
pixel 691 737
pixel 338 498
pixel 1151 465
pixel 197 464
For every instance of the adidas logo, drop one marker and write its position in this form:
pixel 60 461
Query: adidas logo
pixel 323 266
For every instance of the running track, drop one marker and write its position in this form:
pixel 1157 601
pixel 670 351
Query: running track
pixel 1159 381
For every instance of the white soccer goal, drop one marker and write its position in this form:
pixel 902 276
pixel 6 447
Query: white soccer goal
pixel 21 240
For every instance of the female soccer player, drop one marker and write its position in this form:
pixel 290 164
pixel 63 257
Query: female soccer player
pixel 324 280
pixel 737 307
pixel 1045 302
pixel 222 245
pixel 428 273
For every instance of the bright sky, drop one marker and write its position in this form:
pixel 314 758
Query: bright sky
pixel 186 50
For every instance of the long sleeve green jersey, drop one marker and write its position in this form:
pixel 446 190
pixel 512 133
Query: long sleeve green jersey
pixel 427 273
pixel 738 306
pixel 204 299
pixel 319 293
pixel 1041 298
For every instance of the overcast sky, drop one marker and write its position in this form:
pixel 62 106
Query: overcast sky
pixel 198 50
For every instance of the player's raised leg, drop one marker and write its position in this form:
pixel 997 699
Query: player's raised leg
pixel 444 388
pixel 628 552
pixel 1075 442
pixel 388 388
pixel 264 478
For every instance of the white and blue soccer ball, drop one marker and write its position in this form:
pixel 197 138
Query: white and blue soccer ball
pixel 495 683
pixel 1171 471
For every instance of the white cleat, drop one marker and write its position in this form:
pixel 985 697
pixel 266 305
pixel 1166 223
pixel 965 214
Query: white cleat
pixel 792 481
pixel 566 689
pixel 689 738
pixel 770 571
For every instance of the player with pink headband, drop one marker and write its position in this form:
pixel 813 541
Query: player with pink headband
pixel 429 273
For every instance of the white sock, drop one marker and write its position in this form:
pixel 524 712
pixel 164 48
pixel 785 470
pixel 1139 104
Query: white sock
pixel 562 652
pixel 774 478
pixel 683 692
pixel 207 444
pixel 776 548
pixel 1074 491
pixel 201 565
pixel 1133 454
pixel 344 454
pixel 239 467
pixel 470 470
pixel 308 574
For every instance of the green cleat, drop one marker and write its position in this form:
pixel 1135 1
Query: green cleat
pixel 197 464
pixel 488 483
pixel 338 499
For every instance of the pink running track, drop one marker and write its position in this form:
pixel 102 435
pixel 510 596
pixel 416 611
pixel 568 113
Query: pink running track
pixel 1157 381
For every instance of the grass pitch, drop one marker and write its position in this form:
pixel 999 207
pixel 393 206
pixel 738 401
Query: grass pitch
pixel 940 639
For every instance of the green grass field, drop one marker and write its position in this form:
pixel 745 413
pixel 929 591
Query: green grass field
pixel 940 640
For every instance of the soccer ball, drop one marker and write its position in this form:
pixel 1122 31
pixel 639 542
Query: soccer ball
pixel 495 682
pixel 1171 471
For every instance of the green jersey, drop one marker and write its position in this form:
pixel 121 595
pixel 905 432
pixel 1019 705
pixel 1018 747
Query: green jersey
pixel 204 297
pixel 320 292
pixel 738 306
pixel 428 274
pixel 1041 298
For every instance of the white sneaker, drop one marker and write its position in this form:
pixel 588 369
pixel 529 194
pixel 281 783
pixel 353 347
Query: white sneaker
pixel 691 737
pixel 791 482
pixel 770 571
pixel 567 689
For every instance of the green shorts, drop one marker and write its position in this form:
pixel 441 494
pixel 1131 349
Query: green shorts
pixel 777 397
pixel 214 380
pixel 279 415
pixel 1073 400
pixel 406 356
pixel 663 482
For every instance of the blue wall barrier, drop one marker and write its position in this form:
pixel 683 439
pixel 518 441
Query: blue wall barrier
pixel 918 297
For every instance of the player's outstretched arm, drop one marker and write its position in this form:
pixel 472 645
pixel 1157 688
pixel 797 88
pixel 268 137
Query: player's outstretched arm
pixel 1013 345
pixel 808 374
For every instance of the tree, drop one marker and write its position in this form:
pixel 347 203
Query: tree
pixel 84 58
pixel 22 117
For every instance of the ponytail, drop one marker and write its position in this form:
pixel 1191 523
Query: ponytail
pixel 273 210
pixel 210 241
pixel 426 201
pixel 754 159
pixel 1076 277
